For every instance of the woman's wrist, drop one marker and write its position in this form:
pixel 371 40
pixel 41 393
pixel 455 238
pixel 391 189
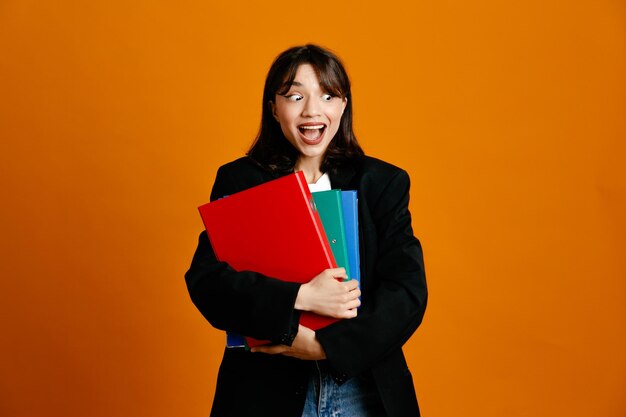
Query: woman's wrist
pixel 302 299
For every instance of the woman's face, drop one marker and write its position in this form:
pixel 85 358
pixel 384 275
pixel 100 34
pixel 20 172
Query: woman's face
pixel 309 116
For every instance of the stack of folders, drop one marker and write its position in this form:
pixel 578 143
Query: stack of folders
pixel 255 230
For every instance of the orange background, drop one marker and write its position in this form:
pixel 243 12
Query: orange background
pixel 509 116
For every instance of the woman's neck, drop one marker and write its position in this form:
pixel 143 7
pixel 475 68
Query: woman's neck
pixel 311 169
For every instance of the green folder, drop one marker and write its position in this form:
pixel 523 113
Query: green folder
pixel 330 209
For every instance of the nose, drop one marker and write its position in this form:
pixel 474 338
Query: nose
pixel 311 108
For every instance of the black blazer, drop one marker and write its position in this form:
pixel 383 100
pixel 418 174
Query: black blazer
pixel 393 298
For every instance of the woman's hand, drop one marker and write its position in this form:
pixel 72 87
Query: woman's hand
pixel 327 296
pixel 305 346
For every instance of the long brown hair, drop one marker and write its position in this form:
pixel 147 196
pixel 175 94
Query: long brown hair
pixel 271 149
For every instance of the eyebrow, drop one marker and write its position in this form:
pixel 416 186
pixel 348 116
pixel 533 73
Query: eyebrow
pixel 296 83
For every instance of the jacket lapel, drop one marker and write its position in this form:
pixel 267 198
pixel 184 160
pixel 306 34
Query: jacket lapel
pixel 341 177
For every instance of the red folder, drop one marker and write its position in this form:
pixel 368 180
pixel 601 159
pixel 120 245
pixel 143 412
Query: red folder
pixel 273 229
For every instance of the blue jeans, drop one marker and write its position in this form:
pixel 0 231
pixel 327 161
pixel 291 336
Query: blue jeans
pixel 357 397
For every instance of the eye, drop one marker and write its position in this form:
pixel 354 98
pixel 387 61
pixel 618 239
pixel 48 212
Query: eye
pixel 294 97
pixel 327 97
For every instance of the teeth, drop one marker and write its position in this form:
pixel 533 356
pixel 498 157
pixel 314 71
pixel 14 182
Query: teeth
pixel 312 127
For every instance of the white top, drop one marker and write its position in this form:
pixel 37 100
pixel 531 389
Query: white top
pixel 322 184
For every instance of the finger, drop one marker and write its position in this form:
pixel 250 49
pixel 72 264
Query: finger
pixel 338 273
pixel 351 296
pixel 349 314
pixel 270 349
pixel 351 285
pixel 291 354
pixel 353 304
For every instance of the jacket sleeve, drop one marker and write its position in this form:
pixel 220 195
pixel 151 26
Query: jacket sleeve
pixel 395 308
pixel 243 302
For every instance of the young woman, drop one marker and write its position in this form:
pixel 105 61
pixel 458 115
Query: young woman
pixel 354 367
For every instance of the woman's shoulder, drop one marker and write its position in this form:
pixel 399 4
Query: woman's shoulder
pixel 374 177
pixel 245 163
pixel 242 173
pixel 374 167
pixel 382 185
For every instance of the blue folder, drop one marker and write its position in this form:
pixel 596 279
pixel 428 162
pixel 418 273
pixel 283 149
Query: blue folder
pixel 235 340
pixel 349 202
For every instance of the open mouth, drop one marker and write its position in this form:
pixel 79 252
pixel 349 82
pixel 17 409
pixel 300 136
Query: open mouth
pixel 312 133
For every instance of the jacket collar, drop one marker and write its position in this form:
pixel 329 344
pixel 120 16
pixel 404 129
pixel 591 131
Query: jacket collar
pixel 339 177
